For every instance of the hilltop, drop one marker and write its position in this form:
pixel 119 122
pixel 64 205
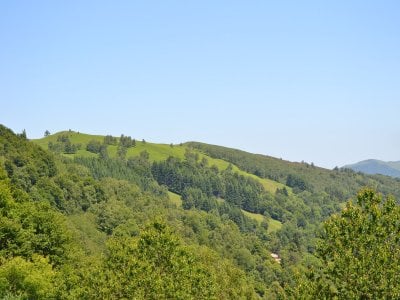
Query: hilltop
pixel 157 152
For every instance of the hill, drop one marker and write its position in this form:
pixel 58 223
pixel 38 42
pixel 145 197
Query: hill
pixel 339 183
pixel 374 166
pixel 86 216
pixel 156 152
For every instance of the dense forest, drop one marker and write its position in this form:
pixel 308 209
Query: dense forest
pixel 102 217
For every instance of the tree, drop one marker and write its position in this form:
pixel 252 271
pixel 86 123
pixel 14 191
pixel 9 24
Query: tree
pixel 93 146
pixel 103 153
pixel 110 140
pixel 27 279
pixel 360 251
pixel 144 155
pixel 46 133
pixel 126 141
pixel 121 152
pixel 70 148
pixel 297 183
pixel 23 134
pixel 156 265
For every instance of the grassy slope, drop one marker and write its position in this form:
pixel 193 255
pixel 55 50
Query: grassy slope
pixel 159 152
pixel 175 198
pixel 342 184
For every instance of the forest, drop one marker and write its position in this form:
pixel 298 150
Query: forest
pixel 103 217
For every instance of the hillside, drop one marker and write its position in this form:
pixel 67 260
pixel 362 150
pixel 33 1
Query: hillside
pixel 374 166
pixel 101 217
pixel 301 184
pixel 156 152
pixel 339 183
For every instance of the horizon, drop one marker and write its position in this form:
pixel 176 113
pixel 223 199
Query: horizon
pixel 303 81
pixel 182 142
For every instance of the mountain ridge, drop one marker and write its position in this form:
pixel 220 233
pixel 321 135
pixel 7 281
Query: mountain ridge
pixel 375 166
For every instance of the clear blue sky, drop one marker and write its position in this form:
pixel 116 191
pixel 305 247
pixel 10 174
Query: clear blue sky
pixel 317 81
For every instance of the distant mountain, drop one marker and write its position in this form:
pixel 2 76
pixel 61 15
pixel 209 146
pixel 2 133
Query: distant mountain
pixel 374 166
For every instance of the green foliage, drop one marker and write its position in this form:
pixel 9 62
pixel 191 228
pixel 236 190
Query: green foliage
pixel 63 145
pixel 23 134
pixel 134 171
pixel 156 151
pixel 23 162
pixel 194 198
pixel 175 198
pixel 94 146
pixel 121 152
pixel 110 140
pixel 297 183
pixel 229 211
pixel 141 164
pixel 30 228
pixel 112 214
pixel 27 279
pixel 238 190
pixel 153 266
pixel 126 141
pixel 199 186
pixel 360 250
pixel 344 183
pixel 84 228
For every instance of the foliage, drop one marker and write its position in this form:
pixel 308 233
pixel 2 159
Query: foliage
pixel 297 183
pixel 28 228
pixel 94 146
pixel 153 266
pixel 110 140
pixel 84 219
pixel 132 170
pixel 126 141
pixel 64 145
pixel 339 184
pixel 360 250
pixel 27 279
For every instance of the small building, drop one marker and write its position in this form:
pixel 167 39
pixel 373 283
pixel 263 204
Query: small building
pixel 276 257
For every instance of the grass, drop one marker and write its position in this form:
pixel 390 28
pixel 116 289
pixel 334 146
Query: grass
pixel 257 217
pixel 157 152
pixel 274 225
pixel 74 137
pixel 175 198
pixel 268 184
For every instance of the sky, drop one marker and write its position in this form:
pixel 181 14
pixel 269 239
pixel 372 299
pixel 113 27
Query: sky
pixel 314 81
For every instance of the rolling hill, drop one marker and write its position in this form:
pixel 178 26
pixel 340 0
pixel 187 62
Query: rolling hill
pixel 91 216
pixel 160 152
